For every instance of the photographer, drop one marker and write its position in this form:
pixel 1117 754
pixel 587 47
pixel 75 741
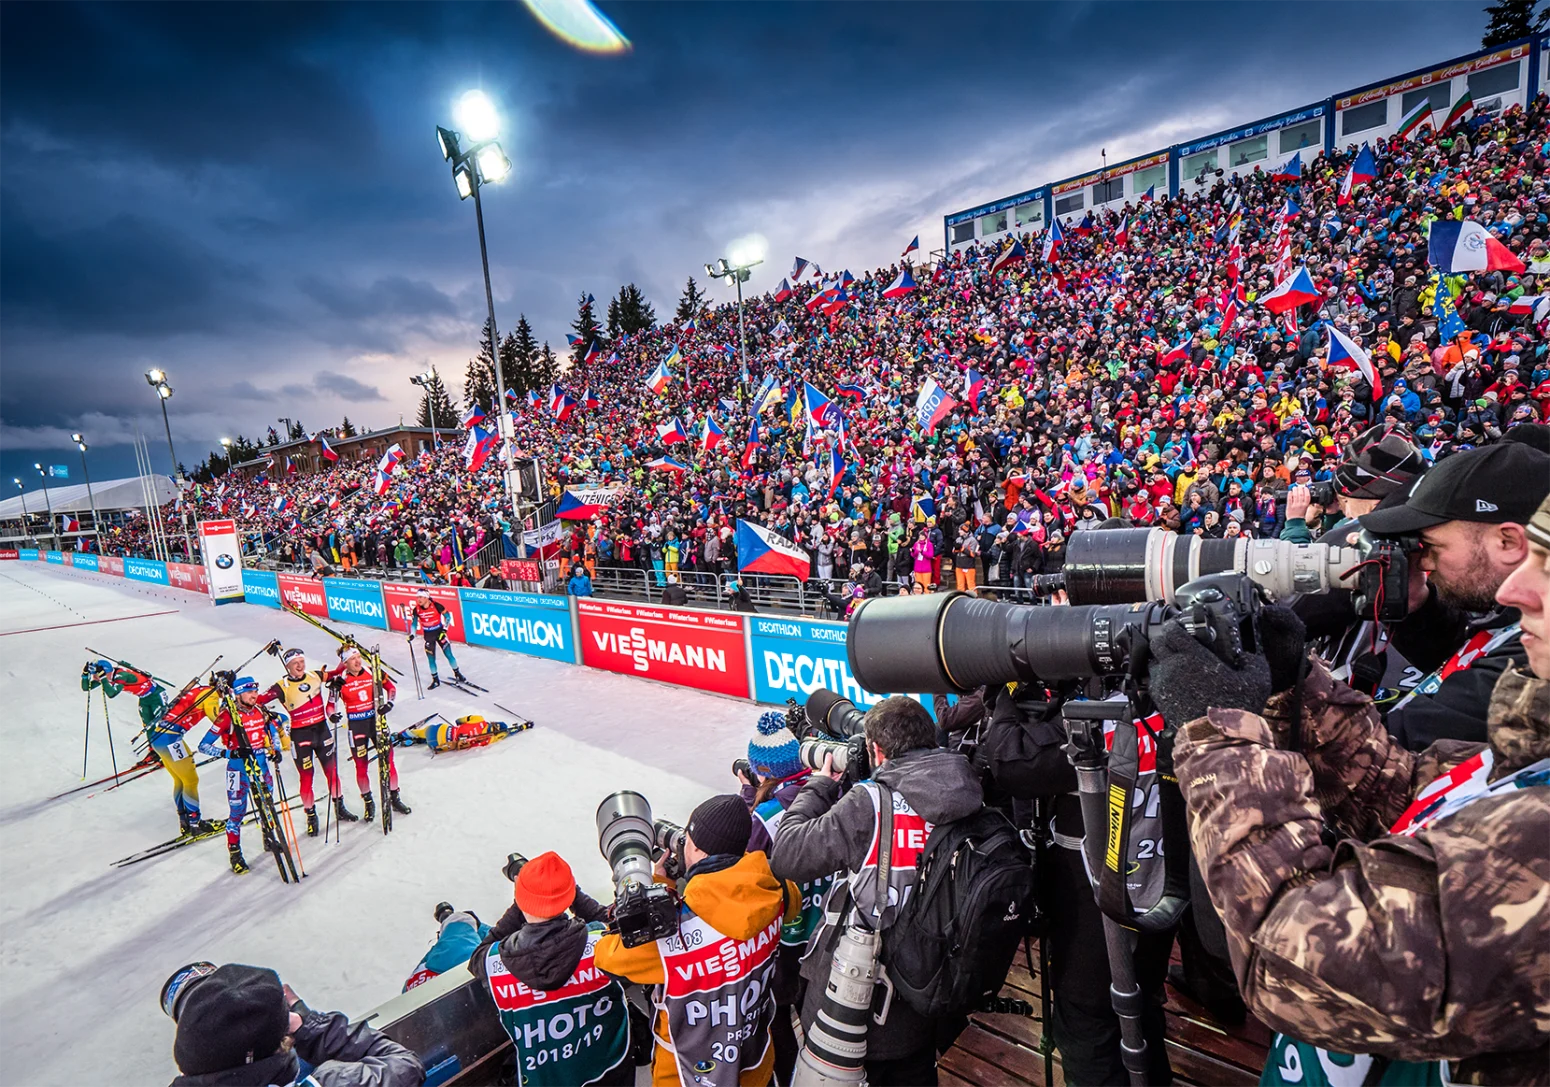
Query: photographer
pixel 715 1001
pixel 1423 935
pixel 823 832
pixel 1469 512
pixel 239 1027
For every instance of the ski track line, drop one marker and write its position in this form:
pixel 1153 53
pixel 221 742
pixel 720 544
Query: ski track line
pixel 41 593
pixel 88 623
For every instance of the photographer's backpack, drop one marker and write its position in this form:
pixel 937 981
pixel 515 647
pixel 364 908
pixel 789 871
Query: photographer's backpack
pixel 954 938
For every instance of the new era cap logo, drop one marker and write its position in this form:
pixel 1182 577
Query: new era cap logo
pixel 1482 506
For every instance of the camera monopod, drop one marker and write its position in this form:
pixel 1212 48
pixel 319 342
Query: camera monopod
pixel 1106 793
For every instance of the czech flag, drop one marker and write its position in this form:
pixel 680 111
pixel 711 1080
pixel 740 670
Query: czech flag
pixel 667 464
pixel 783 292
pixel 555 397
pixel 1466 246
pixel 1298 290
pixel 477 447
pixel 817 404
pixel 711 434
pixel 1150 194
pixel 594 352
pixel 573 508
pixel 1347 353
pixel 690 325
pixel 659 379
pixel 571 339
pixel 751 443
pixel 1533 305
pixel 1363 169
pixel 932 405
pixel 671 431
pixel 798 266
pixel 473 416
pixel 280 504
pixel 973 388
pixel 290 466
pixel 1290 211
pixel 589 399
pixel 1174 355
pixel 1290 170
pixel 1011 254
pixel 1085 227
pixel 326 449
pixel 533 399
pixel 901 286
pixel 727 405
pixel 1122 232
pixel 914 245
pixel 1052 239
pixel 564 407
pixel 836 471
pixel 760 551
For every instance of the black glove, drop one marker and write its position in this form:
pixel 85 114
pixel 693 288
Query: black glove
pixel 275 758
pixel 222 681
pixel 273 648
pixel 335 717
pixel 1187 678
pixel 1284 640
pixel 385 707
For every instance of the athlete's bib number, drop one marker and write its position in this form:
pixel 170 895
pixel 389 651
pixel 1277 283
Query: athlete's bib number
pixel 177 749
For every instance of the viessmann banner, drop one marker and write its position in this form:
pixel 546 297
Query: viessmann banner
pixel 699 649
pixel 522 622
pixel 399 599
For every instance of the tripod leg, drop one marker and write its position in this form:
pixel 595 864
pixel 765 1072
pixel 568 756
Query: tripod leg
pixel 1125 993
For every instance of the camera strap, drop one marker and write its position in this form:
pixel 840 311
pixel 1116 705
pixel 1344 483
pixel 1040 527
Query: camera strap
pixel 884 854
pixel 1124 770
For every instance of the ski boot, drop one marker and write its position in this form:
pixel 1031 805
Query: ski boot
pixel 370 803
pixel 312 822
pixel 435 682
pixel 398 805
pixel 238 865
pixel 344 814
pixel 459 676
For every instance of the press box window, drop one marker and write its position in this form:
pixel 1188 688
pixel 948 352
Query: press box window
pixel 1067 204
pixel 1246 151
pixel 1296 137
pixel 994 223
pixel 1145 179
pixel 1438 95
pixel 1498 80
pixel 1361 118
pixel 1198 165
pixel 1112 189
pixel 1030 215
pixel 963 232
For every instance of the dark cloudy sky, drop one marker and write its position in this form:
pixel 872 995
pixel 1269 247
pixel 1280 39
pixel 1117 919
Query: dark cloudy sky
pixel 250 196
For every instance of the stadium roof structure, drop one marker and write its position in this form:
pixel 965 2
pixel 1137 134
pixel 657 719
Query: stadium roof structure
pixel 112 494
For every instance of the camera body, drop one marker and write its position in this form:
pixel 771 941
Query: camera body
pixel 1382 591
pixel 850 756
pixel 644 910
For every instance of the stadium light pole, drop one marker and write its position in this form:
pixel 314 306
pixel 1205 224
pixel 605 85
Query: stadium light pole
pixel 481 162
pixel 47 502
pixel 91 499
pixel 737 271
pixel 156 378
pixel 21 488
pixel 428 382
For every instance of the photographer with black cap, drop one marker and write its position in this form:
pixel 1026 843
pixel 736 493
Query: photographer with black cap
pixel 1469 514
pixel 238 1026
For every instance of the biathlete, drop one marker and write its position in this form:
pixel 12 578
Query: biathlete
pixel 352 683
pixel 301 691
pixel 263 736
pixel 427 619
pixel 164 731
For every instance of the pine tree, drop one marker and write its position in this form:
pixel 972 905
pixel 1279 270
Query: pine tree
pixel 614 307
pixel 585 326
pixel 524 373
pixel 436 407
pixel 347 428
pixel 1511 20
pixel 691 303
pixel 479 377
pixel 510 362
pixel 296 430
pixel 635 313
pixel 548 365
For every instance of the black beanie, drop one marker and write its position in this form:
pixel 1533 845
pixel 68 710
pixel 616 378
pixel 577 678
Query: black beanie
pixel 721 825
pixel 234 1017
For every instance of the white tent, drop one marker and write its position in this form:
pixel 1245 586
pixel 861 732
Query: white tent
pixel 110 495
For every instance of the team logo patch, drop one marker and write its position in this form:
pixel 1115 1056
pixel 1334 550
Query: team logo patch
pixel 704 1067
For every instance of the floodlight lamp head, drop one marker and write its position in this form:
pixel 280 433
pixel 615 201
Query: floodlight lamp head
pixel 476 117
pixel 494 166
pixel 464 177
pixel 164 391
pixel 155 376
pixel 447 139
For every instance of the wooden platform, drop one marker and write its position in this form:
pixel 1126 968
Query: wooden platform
pixel 1004 1049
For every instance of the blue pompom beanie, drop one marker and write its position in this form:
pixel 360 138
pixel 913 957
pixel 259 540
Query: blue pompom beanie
pixel 773 750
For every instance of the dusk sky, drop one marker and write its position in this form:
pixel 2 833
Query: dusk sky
pixel 250 196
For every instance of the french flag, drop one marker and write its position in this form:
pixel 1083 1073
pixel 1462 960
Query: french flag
pixel 1466 246
pixel 783 292
pixel 659 379
pixel 671 431
pixel 1290 170
pixel 477 447
pixel 589 399
pixel 1298 290
pixel 751 443
pixel 326 449
pixel 836 471
pixel 1052 239
pixel 914 245
pixel 760 551
pixel 1347 353
pixel 1363 169
pixel 1010 255
pixel 667 464
pixel 932 405
pixel 973 388
pixel 473 416
pixel 903 285
pixel 711 434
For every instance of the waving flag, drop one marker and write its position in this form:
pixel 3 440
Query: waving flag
pixel 1085 227
pixel 1289 211
pixel 784 291
pixel 903 285
pixel 797 267
pixel 914 245
pixel 751 443
pixel 1449 325
pixel 973 388
pixel 571 339
pixel 1296 291
pixel 589 399
pixel 1122 232
pixel 1461 109
pixel 326 449
pixel 836 471
pixel 533 399
pixel 1010 255
pixel 760 551
pixel 666 464
pixel 768 394
pixel 387 465
pixel 290 466
pixel 1363 169
pixel 1420 114
pixel 1232 300
pixel 477 447
pixel 1290 170
pixel 817 404
pixel 932 405
pixel 564 407
pixel 671 431
pixel 1150 194
pixel 584 503
pixel 1532 305
pixel 1053 236
pixel 280 504
pixel 823 296
pixel 1455 246
pixel 1175 355
pixel 780 329
pixel 691 325
pixel 1347 353
pixel 673 357
pixel 473 416
pixel 659 379
pixel 594 352
pixel 727 405
pixel 851 390
pixel 922 506
pixel 711 434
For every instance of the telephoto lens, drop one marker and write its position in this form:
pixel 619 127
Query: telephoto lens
pixel 836 1047
pixel 513 865
pixel 670 840
pixel 850 756
pixel 175 988
pixel 743 770
pixel 829 713
pixel 644 910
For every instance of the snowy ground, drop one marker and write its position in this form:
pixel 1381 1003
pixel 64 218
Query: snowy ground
pixel 87 946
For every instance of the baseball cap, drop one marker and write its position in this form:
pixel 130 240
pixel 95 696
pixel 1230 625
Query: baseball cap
pixel 1378 462
pixel 1493 484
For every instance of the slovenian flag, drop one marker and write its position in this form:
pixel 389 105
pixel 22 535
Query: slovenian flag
pixel 671 431
pixel 903 285
pixel 1418 116
pixel 932 405
pixel 817 404
pixel 659 379
pixel 477 447
pixel 1348 354
pixel 760 551
pixel 973 388
pixel 836 471
pixel 1053 236
pixel 473 416
pixel 1363 169
pixel 1010 255
pixel 914 245
pixel 1290 170
pixel 667 464
pixel 751 443
pixel 1455 246
pixel 711 434
pixel 1298 290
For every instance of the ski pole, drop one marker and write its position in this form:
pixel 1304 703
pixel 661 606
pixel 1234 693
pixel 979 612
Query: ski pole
pixel 108 719
pixel 418 689
pixel 290 825
pixel 86 745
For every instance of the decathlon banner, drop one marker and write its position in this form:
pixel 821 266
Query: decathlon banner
pixel 28 554
pixel 111 564
pixel 700 649
pixel 792 658
pixel 305 594
pixel 146 570
pixel 261 587
pixel 522 622
pixel 55 557
pixel 399 599
pixel 82 561
pixel 223 560
pixel 353 600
